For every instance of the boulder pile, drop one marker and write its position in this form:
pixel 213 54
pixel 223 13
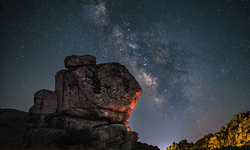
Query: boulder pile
pixel 86 95
pixel 89 109
pixel 92 103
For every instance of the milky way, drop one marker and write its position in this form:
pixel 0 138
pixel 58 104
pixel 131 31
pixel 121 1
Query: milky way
pixel 191 58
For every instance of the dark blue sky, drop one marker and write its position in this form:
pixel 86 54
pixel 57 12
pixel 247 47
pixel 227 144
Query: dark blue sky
pixel 191 58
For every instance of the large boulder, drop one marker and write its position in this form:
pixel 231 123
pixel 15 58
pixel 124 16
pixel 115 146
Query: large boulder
pixel 109 86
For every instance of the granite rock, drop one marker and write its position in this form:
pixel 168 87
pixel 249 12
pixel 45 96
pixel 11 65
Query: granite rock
pixel 109 86
pixel 236 134
pixel 89 110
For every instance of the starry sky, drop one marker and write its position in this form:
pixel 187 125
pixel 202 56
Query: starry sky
pixel 191 58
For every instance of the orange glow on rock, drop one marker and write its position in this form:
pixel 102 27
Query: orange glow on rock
pixel 134 100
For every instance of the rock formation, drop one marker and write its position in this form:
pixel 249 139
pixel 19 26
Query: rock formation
pixel 88 110
pixel 235 134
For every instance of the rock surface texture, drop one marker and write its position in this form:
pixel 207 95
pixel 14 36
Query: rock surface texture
pixel 235 135
pixel 89 109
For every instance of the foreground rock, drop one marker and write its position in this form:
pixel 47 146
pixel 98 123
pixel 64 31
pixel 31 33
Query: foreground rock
pixel 235 135
pixel 89 109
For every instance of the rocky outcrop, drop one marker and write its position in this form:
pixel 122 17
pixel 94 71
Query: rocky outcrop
pixel 88 110
pixel 94 100
pixel 105 93
pixel 235 134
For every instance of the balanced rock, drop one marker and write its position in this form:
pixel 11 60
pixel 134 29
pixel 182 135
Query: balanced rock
pixel 89 110
pixel 109 87
pixel 91 105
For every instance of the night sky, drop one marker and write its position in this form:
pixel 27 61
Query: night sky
pixel 191 57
